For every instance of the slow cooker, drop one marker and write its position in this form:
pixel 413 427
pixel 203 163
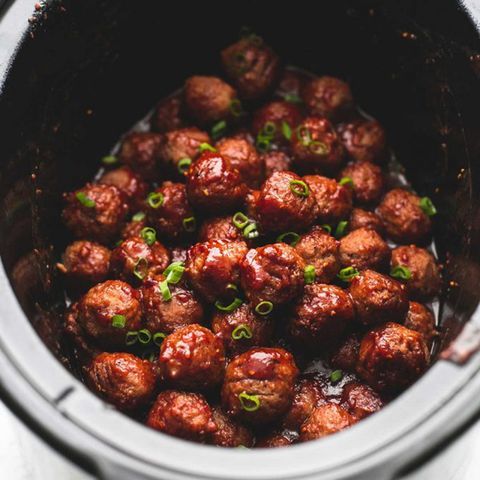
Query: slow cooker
pixel 74 75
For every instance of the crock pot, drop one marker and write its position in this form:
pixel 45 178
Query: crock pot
pixel 74 75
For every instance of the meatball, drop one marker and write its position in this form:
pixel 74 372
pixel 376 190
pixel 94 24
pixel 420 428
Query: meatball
pixel 425 280
pixel 108 311
pixel 272 273
pixel 346 355
pixel 320 250
pixel 182 414
pixel 129 183
pixel 135 226
pixel 334 201
pixel 378 298
pixel 276 161
pixel 179 253
pixel 259 385
pixel 135 259
pixel 404 219
pixel 95 212
pixel 325 420
pixel 392 357
pixel 368 181
pixel 275 439
pixel 251 200
pixel 308 395
pixel 422 320
pixel 363 219
pixel 364 140
pixel 360 400
pixel 242 329
pixel 364 248
pixel 321 315
pixel 316 146
pixel 168 115
pixel 243 156
pixel 122 379
pixel 85 263
pixel 327 97
pixel 214 185
pixel 182 144
pixel 214 265
pixel 252 66
pixel 172 217
pixel 208 99
pixel 167 316
pixel 285 203
pixel 230 433
pixel 219 228
pixel 193 358
pixel 141 152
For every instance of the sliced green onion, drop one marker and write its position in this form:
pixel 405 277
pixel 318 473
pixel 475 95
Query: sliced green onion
pixel 144 336
pixel 250 403
pixel 346 274
pixel 250 231
pixel 319 148
pixel 264 308
pixel 346 181
pixel 183 165
pixel 172 266
pixel 292 98
pixel 158 338
pixel 203 147
pixel 309 274
pixel 242 331
pixel 84 200
pixel 300 188
pixel 303 135
pixel 341 229
pixel 131 338
pixel 336 376
pixel 286 130
pixel 240 220
pixel 165 291
pixel 327 228
pixel 269 129
pixel 149 235
pixel 232 286
pixel 155 199
pixel 263 143
pixel 119 321
pixel 427 206
pixel 401 272
pixel 109 160
pixel 118 242
pixel 189 224
pixel 140 269
pixel 175 274
pixel 236 108
pixel 230 307
pixel 219 129
pixel 291 238
pixel 138 217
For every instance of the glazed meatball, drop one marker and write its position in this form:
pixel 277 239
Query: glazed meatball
pixel 316 146
pixel 334 201
pixel 378 298
pixel 360 400
pixel 141 152
pixel 122 379
pixel 168 115
pixel 134 259
pixel 276 161
pixel 208 99
pixel 291 84
pixel 251 200
pixel 182 414
pixel 321 315
pixel 422 320
pixel 364 248
pixel 275 439
pixel 392 357
pixel 285 203
pixel 230 433
pixel 95 212
pixel 346 355
pixel 214 185
pixel 404 220
pixel 364 140
pixel 243 156
pixel 242 329
pixel 425 280
pixel 308 395
pixel 252 66
pixel 85 263
pixel 325 420
pixel 219 228
pixel 320 250
pixel 129 183
pixel 173 217
pixel 167 316
pixel 272 273
pixel 212 266
pixel 363 219
pixel 192 357
pixel 259 385
pixel 368 181
pixel 105 307
pixel 327 97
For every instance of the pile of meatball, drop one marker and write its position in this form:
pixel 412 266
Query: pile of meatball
pixel 245 274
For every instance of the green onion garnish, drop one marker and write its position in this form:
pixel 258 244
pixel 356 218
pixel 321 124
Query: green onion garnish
pixel 155 199
pixel 264 308
pixel 327 228
pixel 174 272
pixel 119 321
pixel 149 235
pixel 401 272
pixel 269 129
pixel 158 338
pixel 263 143
pixel 138 217
pixel 183 165
pixel 346 274
pixel 165 291
pixel 309 274
pixel 141 267
pixel 131 337
pixel 232 286
pixel 109 160
pixel 219 129
pixel 292 98
pixel 286 130
pixel 319 148
pixel 250 403
pixel 84 200
pixel 303 135
pixel 250 231
pixel 336 376
pixel 203 147
pixel 300 188
pixel 236 108
pixel 189 224
pixel 240 220
pixel 427 206
pixel 346 181
pixel 291 238
pixel 230 307
pixel 173 266
pixel 242 331
pixel 144 336
pixel 341 229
